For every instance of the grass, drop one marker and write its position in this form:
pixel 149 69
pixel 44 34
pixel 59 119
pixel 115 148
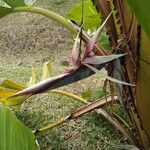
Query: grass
pixel 29 39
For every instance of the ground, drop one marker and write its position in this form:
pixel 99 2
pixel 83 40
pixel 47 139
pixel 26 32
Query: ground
pixel 29 40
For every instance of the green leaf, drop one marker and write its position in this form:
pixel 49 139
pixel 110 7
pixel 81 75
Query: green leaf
pixel 91 18
pixel 3 4
pixel 6 6
pixel 142 11
pixel 76 12
pixel 91 21
pixel 4 11
pixel 15 3
pixel 13 134
pixel 104 41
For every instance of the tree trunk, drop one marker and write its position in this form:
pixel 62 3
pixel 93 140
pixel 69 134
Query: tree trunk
pixel 126 35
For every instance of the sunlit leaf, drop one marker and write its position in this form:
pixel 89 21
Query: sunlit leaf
pixel 3 4
pixel 32 78
pixel 9 88
pixel 6 6
pixel 91 21
pixel 90 16
pixel 46 70
pixel 29 2
pixel 13 134
pixel 11 85
pixel 14 101
pixel 4 93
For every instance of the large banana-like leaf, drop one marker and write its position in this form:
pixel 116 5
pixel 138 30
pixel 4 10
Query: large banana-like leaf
pixel 14 3
pixel 142 11
pixel 17 3
pixel 4 11
pixel 6 6
pixel 143 86
pixel 13 134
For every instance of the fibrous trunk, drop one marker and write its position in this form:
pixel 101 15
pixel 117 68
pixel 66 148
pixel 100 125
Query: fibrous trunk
pixel 126 36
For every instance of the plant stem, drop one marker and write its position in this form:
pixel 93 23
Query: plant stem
pixel 70 95
pixel 59 19
pixel 116 125
pixel 84 109
pixel 55 124
pixel 74 114
pixel 122 120
pixel 47 13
